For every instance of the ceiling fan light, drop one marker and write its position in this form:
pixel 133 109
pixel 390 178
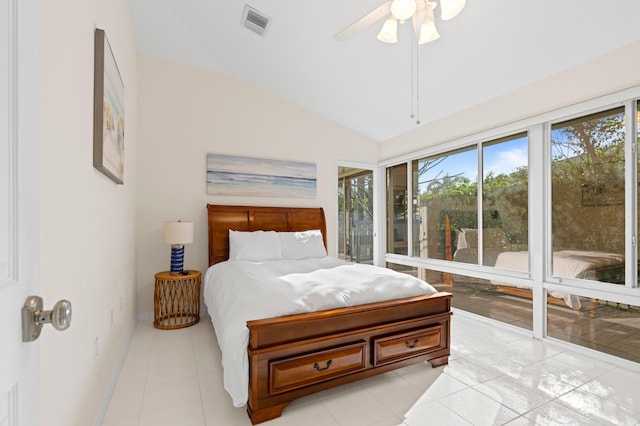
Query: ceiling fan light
pixel 428 33
pixel 449 9
pixel 403 9
pixel 389 31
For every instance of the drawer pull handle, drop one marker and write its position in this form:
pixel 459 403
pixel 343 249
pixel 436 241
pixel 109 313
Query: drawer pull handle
pixel 317 366
pixel 411 345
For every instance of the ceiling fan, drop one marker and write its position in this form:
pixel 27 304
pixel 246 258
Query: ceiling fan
pixel 419 11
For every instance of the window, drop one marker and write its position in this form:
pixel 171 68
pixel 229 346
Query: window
pixel 588 197
pixel 445 190
pixel 397 221
pixel 588 226
pixel 603 325
pixel 445 199
pixel 505 201
pixel 447 223
pixel 469 233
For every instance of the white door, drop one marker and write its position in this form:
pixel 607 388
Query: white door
pixel 19 223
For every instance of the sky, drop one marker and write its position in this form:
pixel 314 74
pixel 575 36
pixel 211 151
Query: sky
pixel 499 158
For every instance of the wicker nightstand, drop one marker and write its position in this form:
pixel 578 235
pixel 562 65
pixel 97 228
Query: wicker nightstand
pixel 176 300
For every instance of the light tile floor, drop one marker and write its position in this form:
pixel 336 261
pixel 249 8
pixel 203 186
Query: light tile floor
pixel 495 376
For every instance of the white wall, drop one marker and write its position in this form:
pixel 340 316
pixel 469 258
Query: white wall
pixel 87 222
pixel 614 71
pixel 185 113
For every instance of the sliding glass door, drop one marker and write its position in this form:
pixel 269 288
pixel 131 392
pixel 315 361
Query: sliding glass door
pixel 355 214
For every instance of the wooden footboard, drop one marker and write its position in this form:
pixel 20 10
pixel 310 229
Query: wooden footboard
pixel 297 355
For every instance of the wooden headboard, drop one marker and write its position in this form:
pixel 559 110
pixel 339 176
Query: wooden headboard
pixel 248 218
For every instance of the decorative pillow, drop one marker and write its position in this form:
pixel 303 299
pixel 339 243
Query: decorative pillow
pixel 302 245
pixel 257 245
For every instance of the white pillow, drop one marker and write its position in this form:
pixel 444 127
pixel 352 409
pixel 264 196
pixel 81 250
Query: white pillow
pixel 302 245
pixel 257 245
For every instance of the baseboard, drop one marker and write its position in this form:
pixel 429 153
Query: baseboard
pixel 145 316
pixel 114 377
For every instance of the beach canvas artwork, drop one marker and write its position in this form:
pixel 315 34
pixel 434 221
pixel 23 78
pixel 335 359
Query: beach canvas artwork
pixel 108 139
pixel 259 177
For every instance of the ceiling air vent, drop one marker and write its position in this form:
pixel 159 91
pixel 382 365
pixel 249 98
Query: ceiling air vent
pixel 255 21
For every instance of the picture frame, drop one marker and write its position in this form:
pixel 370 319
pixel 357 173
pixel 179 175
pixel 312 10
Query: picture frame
pixel 260 177
pixel 108 112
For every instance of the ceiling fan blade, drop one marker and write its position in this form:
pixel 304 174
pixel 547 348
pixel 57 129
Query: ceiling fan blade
pixel 369 19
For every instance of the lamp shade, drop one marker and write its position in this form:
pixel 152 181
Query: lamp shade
pixel 389 31
pixel 178 232
pixel 449 9
pixel 428 33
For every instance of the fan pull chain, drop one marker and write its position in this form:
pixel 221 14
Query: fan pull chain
pixel 412 81
pixel 415 82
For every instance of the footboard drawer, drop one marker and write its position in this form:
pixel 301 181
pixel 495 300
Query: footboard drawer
pixel 295 372
pixel 406 345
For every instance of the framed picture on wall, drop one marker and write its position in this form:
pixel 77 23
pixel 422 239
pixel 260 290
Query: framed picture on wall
pixel 260 177
pixel 108 112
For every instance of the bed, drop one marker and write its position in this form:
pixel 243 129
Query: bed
pixel 298 354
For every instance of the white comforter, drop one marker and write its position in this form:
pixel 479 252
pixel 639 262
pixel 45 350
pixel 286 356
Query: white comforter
pixel 238 291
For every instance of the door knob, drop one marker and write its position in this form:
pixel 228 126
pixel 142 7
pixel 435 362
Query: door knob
pixel 34 317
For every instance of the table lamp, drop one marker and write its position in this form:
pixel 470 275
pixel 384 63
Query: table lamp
pixel 177 234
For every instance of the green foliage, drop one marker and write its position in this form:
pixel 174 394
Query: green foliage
pixel 464 187
pixel 589 151
pixel 588 183
pixel 359 191
pixel 450 186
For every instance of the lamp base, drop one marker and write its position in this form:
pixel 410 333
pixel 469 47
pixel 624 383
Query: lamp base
pixel 177 259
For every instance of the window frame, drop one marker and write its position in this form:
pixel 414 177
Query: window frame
pixel 538 278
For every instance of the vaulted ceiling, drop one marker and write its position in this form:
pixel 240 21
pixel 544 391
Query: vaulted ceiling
pixel 493 47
